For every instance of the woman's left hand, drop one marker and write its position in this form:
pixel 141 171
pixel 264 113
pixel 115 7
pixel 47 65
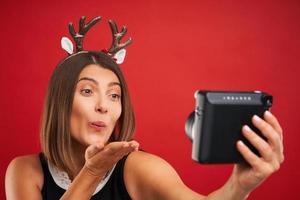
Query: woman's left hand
pixel 248 176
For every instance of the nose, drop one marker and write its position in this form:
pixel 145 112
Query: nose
pixel 101 107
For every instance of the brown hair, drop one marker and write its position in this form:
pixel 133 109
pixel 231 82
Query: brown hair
pixel 55 134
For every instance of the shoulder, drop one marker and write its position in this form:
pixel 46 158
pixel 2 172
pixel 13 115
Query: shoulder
pixel 28 165
pixel 22 173
pixel 150 177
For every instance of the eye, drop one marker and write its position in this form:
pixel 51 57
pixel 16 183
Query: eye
pixel 86 92
pixel 115 97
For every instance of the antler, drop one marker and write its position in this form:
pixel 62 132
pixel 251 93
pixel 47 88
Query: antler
pixel 83 28
pixel 117 36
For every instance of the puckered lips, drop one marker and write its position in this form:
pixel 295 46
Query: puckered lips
pixel 98 125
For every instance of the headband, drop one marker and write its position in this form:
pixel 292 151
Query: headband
pixel 117 50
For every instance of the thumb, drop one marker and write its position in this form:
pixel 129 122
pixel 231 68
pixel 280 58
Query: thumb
pixel 92 150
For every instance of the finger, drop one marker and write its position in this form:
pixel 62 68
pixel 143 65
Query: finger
pixel 114 147
pixel 272 120
pixel 100 145
pixel 119 148
pixel 109 154
pixel 134 144
pixel 92 150
pixel 259 143
pixel 251 158
pixel 268 131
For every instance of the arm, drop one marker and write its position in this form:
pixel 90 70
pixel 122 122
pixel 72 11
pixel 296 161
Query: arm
pixel 24 178
pixel 99 160
pixel 149 177
pixel 83 185
pixel 247 176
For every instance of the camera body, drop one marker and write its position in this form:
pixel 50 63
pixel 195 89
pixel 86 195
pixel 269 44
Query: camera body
pixel 216 124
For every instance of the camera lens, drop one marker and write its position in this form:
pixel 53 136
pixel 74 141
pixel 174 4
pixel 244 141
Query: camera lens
pixel 267 101
pixel 189 125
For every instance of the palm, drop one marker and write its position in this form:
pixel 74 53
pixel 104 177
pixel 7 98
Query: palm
pixel 247 177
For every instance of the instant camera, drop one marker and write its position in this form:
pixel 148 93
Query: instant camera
pixel 216 124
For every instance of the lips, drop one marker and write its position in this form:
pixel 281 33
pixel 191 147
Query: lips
pixel 98 125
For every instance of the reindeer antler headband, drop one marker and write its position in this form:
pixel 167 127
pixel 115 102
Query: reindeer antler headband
pixel 116 51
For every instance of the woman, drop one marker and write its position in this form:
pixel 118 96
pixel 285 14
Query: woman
pixel 86 137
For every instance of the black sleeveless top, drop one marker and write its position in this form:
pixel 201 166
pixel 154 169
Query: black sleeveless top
pixel 114 189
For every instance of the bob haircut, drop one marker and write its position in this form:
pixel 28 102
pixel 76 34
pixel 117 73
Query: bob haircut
pixel 55 135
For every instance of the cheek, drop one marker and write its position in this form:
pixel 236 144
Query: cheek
pixel 75 119
pixel 117 110
pixel 78 115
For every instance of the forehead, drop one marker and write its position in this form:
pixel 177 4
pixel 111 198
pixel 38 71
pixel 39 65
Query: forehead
pixel 99 74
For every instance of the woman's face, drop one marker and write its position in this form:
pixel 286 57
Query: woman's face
pixel 96 105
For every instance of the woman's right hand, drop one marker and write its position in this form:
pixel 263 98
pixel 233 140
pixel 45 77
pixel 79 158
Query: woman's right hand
pixel 99 159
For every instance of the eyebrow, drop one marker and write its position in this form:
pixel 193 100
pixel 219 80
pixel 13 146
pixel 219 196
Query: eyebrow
pixel 97 83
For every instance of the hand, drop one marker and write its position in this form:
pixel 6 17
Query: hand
pixel 99 159
pixel 249 176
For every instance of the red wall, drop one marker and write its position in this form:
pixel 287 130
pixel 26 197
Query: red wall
pixel 179 46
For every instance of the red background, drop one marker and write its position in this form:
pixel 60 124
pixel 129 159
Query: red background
pixel 179 46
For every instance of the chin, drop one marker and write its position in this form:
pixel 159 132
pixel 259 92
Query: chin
pixel 97 140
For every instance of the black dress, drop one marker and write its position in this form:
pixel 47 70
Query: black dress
pixel 114 189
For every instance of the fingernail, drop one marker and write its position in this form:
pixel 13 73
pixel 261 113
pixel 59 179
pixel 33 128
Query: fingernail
pixel 268 113
pixel 247 129
pixel 256 118
pixel 240 143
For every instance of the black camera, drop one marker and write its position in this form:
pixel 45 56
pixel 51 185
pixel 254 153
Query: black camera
pixel 216 124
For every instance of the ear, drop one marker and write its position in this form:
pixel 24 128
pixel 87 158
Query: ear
pixel 67 45
pixel 120 56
